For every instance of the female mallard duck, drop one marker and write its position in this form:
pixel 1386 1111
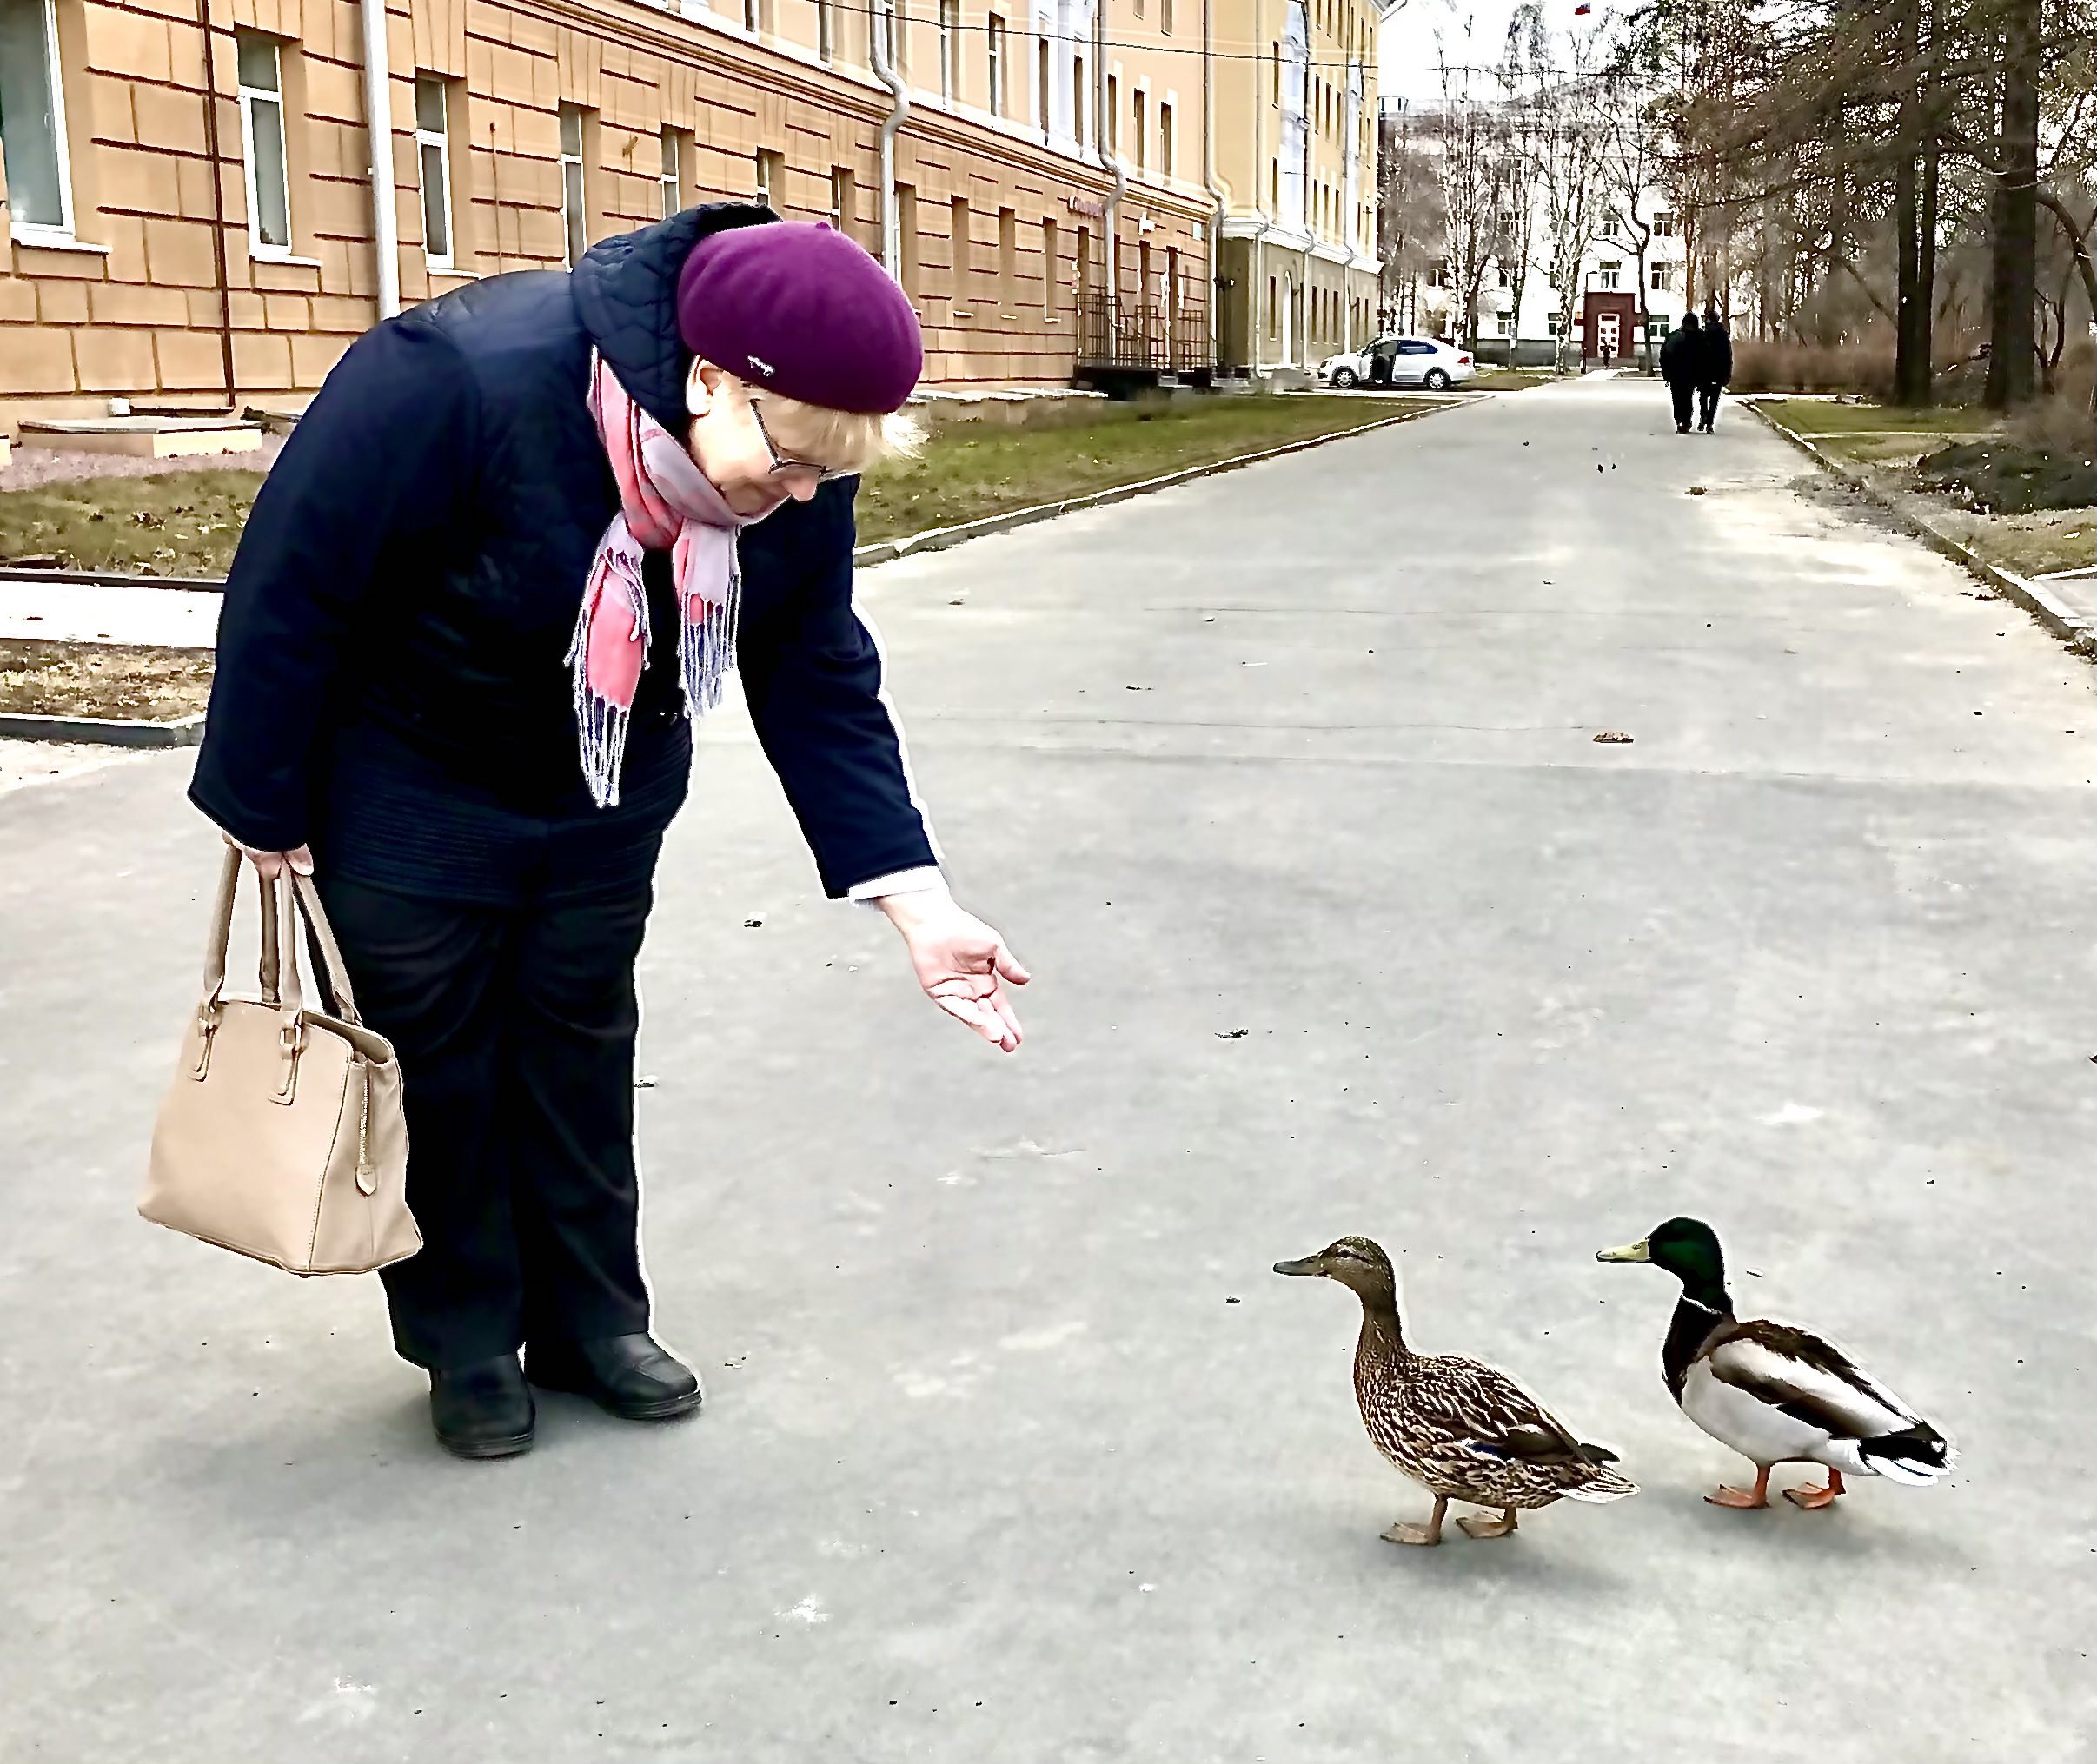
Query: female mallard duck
pixel 1775 1394
pixel 1463 1429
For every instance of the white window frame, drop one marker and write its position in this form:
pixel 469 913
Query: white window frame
pixel 670 180
pixel 249 97
pixel 575 210
pixel 31 232
pixel 825 31
pixel 949 31
pixel 1609 274
pixel 1660 278
pixel 1663 225
pixel 440 139
pixel 994 57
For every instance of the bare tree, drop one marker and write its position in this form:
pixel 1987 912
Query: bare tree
pixel 1471 134
pixel 1517 251
pixel 1412 224
pixel 1630 159
pixel 1568 185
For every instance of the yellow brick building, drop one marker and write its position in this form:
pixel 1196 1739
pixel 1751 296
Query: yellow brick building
pixel 193 221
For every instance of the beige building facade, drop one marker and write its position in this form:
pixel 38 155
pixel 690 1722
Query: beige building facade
pixel 1297 264
pixel 194 220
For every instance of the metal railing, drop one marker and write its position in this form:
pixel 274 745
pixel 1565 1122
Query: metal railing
pixel 1140 335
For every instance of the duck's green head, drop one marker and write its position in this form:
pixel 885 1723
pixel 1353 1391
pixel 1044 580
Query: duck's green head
pixel 1355 1262
pixel 1687 1248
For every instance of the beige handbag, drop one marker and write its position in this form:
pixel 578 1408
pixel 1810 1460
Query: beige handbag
pixel 283 1135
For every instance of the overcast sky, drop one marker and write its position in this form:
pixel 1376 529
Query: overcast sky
pixel 1407 37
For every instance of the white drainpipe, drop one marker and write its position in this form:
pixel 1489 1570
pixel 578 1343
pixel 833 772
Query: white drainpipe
pixel 1106 125
pixel 891 229
pixel 1218 195
pixel 378 109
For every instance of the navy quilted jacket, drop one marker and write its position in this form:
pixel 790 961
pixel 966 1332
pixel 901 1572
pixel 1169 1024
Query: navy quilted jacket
pixel 414 562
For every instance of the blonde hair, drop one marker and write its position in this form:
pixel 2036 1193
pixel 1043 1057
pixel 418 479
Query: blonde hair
pixel 845 440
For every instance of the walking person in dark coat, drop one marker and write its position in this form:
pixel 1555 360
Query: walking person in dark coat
pixel 509 555
pixel 1714 366
pixel 1678 367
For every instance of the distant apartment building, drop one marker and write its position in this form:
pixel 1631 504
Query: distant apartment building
pixel 1297 264
pixel 194 219
pixel 1611 302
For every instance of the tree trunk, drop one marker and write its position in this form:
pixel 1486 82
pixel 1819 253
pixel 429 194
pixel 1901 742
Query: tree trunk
pixel 2085 267
pixel 1911 320
pixel 1926 240
pixel 2015 213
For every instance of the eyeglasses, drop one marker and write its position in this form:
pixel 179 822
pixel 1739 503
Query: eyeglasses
pixel 781 464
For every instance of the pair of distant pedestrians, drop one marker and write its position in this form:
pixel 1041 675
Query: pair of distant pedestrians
pixel 1697 362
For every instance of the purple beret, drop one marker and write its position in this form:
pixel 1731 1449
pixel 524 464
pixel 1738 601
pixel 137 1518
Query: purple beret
pixel 797 308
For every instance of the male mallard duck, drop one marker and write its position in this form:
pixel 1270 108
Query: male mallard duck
pixel 1775 1394
pixel 1463 1429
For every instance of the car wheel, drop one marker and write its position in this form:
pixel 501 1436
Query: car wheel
pixel 1437 379
pixel 1345 378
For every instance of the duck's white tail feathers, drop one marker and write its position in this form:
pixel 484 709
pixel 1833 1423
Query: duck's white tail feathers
pixel 1916 1455
pixel 1604 1486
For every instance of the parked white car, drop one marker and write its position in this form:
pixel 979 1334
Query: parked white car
pixel 1399 361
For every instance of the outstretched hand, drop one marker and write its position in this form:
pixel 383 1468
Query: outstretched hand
pixel 961 963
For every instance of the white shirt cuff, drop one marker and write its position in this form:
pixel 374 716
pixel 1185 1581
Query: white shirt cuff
pixel 918 881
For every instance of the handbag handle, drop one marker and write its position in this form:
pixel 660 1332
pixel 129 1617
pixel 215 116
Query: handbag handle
pixel 220 937
pixel 279 975
pixel 305 903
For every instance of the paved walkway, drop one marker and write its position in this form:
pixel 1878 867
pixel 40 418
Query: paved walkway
pixel 1015 1450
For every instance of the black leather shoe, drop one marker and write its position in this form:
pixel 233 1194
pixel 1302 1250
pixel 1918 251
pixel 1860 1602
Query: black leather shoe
pixel 631 1376
pixel 483 1410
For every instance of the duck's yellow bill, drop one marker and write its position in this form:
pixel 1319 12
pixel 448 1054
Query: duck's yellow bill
pixel 1630 1252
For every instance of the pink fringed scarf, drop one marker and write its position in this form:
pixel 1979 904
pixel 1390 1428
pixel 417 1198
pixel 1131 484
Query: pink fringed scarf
pixel 665 503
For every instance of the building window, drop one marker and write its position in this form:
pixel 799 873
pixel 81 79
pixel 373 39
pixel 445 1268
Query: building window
pixel 1165 16
pixel 949 32
pixel 672 177
pixel 958 243
pixel 1143 133
pixel 907 238
pixel 995 51
pixel 843 201
pixel 1274 186
pixel 1274 309
pixel 32 117
pixel 1505 324
pixel 1041 84
pixel 1171 277
pixel 1551 324
pixel 1278 75
pixel 575 217
pixel 261 125
pixel 826 30
pixel 1610 272
pixel 1440 276
pixel 1663 226
pixel 1166 152
pixel 893 37
pixel 770 169
pixel 1663 277
pixel 1506 279
pixel 753 15
pixel 1085 261
pixel 1008 258
pixel 1051 270
pixel 1113 115
pixel 432 154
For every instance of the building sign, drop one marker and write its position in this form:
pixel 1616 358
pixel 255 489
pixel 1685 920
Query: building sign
pixel 1093 207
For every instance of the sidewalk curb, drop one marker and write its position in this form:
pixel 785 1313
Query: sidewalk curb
pixel 2033 597
pixel 103 732
pixel 943 538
